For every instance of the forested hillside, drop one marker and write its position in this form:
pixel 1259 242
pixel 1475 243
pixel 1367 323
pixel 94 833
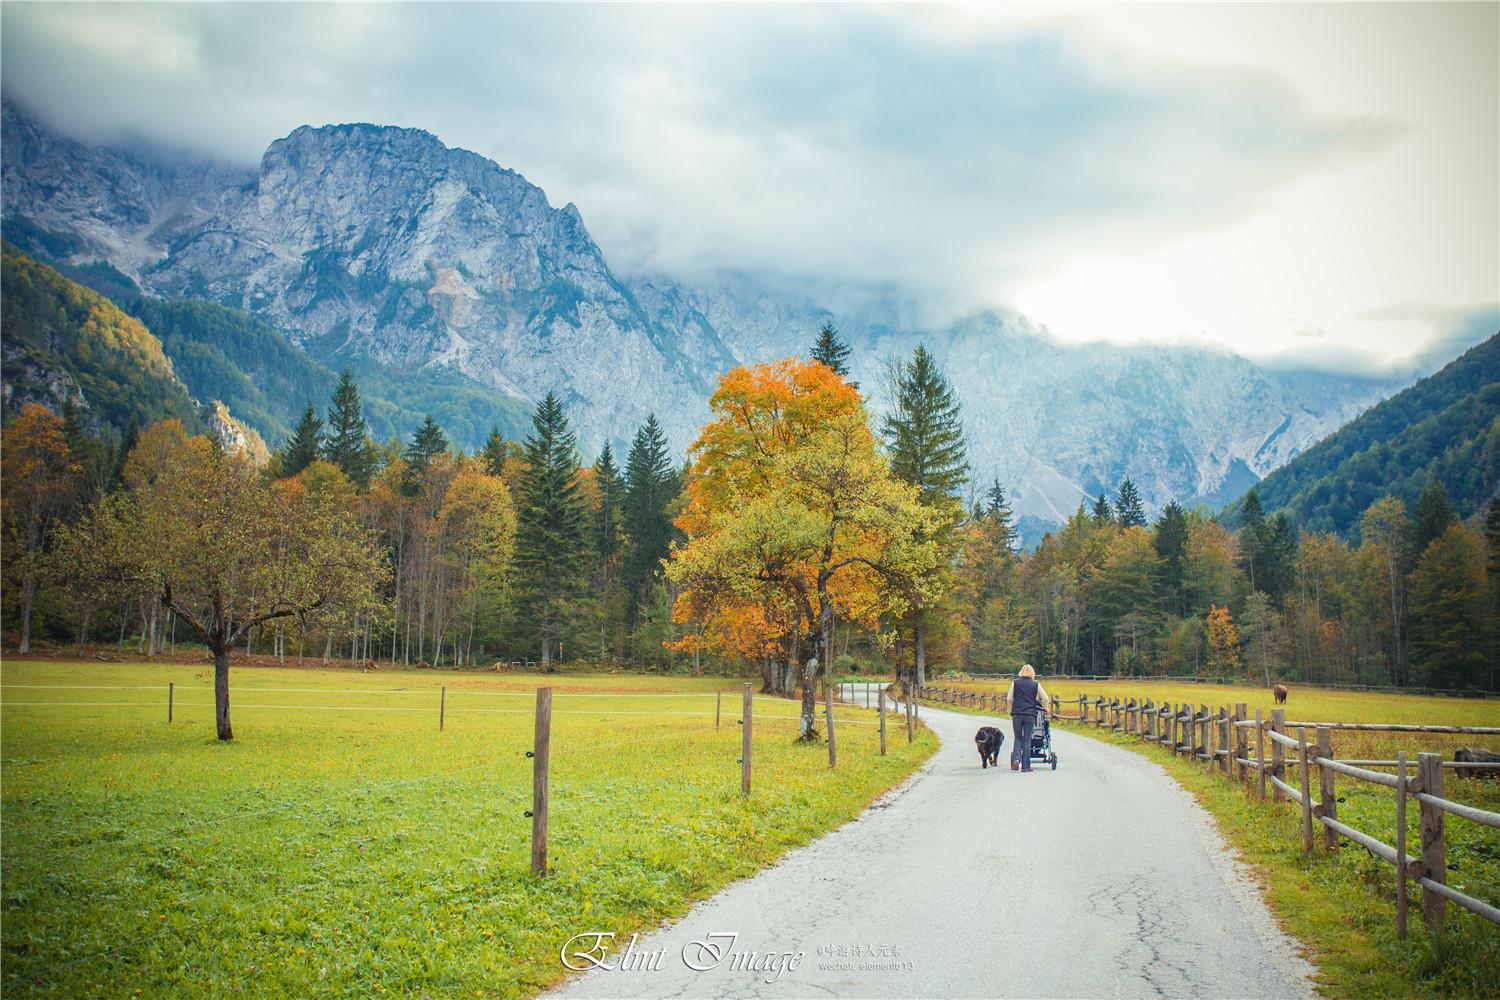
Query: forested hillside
pixel 66 344
pixel 226 355
pixel 1446 426
pixel 520 550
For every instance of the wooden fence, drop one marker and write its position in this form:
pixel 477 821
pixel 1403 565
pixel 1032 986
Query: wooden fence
pixel 1221 738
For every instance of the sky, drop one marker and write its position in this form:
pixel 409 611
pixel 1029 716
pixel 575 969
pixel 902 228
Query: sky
pixel 1309 183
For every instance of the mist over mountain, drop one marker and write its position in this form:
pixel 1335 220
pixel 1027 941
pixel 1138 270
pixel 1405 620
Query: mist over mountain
pixel 381 248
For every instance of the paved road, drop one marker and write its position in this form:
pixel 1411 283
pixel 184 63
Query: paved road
pixel 1099 879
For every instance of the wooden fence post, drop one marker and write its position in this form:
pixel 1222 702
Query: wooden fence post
pixel 1401 845
pixel 1260 757
pixel 542 754
pixel 718 707
pixel 882 722
pixel 745 745
pixel 1202 728
pixel 1207 723
pixel 1327 794
pixel 1434 850
pixel 1307 830
pixel 1278 752
pixel 828 702
pixel 1241 742
pixel 442 707
pixel 1225 745
pixel 169 701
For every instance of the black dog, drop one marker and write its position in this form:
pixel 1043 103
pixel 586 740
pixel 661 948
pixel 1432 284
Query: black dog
pixel 989 740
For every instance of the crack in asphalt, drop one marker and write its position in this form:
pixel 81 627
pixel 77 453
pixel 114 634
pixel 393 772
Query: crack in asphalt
pixel 1100 878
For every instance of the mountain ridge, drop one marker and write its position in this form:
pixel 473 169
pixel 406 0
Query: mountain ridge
pixel 1446 426
pixel 379 245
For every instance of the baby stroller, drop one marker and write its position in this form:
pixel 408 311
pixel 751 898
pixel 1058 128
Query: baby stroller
pixel 1041 740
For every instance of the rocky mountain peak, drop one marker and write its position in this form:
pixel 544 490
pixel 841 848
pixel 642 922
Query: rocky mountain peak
pixel 380 244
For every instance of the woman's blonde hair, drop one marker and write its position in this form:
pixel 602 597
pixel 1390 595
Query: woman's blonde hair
pixel 1027 671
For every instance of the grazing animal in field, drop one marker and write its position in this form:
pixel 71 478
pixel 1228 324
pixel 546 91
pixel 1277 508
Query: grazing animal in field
pixel 1280 692
pixel 988 741
pixel 1476 756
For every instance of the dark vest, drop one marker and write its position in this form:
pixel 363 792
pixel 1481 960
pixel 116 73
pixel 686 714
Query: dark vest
pixel 1025 700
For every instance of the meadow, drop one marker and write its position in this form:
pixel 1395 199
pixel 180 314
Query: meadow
pixel 1341 903
pixel 343 845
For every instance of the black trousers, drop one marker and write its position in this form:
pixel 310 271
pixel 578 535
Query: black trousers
pixel 1023 725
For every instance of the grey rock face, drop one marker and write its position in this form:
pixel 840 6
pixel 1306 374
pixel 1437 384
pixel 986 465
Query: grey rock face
pixel 379 242
pixel 363 241
pixel 1056 423
pixel 121 205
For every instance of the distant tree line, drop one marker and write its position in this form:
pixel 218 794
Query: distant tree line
pixel 801 538
pixel 1415 602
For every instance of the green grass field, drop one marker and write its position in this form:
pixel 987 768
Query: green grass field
pixel 1342 903
pixel 342 845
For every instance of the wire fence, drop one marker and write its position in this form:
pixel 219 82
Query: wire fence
pixel 314 804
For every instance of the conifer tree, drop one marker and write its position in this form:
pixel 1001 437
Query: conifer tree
pixel 1492 572
pixel 1103 513
pixel 344 443
pixel 832 351
pixel 650 486
pixel 997 509
pixel 427 442
pixel 924 432
pixel 606 534
pixel 1252 533
pixel 1171 548
pixel 1129 511
pixel 1434 514
pixel 551 535
pixel 305 445
pixel 925 440
pixel 493 453
pixel 1449 610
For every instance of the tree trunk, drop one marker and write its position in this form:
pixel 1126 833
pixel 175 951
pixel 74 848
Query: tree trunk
pixel 920 642
pixel 327 646
pixel 83 628
pixel 28 597
pixel 808 729
pixel 221 689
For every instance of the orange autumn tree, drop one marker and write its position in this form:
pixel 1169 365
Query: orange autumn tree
pixel 1223 642
pixel 793 517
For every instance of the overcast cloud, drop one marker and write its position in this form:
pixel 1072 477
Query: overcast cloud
pixel 1260 177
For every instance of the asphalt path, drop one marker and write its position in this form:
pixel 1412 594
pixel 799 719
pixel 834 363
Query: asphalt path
pixel 1099 879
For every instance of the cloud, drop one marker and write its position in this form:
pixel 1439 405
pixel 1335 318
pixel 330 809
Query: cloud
pixel 815 142
pixel 963 161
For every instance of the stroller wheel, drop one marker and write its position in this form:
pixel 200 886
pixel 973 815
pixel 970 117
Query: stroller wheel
pixel 1054 762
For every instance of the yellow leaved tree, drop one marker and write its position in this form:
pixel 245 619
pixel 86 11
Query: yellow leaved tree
pixel 793 517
